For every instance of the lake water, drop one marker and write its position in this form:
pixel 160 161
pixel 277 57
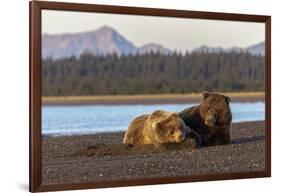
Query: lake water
pixel 67 120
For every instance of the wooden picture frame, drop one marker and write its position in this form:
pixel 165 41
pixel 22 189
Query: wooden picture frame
pixel 36 8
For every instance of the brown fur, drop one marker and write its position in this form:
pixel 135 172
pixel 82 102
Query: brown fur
pixel 211 118
pixel 156 128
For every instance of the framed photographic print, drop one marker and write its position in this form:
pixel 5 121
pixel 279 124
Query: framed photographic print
pixel 123 96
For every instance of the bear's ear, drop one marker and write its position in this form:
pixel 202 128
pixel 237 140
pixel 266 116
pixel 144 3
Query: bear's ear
pixel 227 99
pixel 173 114
pixel 156 125
pixel 205 94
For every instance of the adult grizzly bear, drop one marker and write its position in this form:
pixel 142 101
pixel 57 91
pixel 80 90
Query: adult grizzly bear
pixel 211 119
pixel 156 128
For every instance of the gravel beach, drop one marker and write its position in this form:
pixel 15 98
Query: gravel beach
pixel 102 157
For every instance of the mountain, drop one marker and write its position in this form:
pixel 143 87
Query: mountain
pixel 207 49
pixel 107 40
pixel 102 41
pixel 257 49
pixel 153 47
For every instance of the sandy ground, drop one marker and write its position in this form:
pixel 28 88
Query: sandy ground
pixel 101 157
pixel 146 99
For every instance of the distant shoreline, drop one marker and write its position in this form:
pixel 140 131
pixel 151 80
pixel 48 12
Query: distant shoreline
pixel 146 99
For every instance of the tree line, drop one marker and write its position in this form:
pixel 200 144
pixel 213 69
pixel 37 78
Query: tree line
pixel 152 73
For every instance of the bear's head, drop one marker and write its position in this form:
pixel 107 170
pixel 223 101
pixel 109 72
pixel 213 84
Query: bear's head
pixel 216 115
pixel 214 109
pixel 170 129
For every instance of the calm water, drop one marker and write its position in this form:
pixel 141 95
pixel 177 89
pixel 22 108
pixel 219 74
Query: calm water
pixel 67 120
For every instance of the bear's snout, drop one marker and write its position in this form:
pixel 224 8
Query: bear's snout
pixel 180 137
pixel 210 121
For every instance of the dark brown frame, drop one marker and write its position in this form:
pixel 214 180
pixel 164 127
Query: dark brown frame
pixel 35 8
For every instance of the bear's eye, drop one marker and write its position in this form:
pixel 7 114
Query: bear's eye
pixel 171 132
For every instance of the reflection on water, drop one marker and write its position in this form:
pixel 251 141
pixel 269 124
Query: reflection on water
pixel 64 120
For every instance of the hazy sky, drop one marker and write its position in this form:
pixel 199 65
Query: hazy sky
pixel 173 33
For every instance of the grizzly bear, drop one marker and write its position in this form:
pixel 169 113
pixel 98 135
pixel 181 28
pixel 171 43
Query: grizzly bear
pixel 211 119
pixel 156 128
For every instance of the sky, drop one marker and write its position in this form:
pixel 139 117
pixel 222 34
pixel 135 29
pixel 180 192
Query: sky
pixel 174 33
